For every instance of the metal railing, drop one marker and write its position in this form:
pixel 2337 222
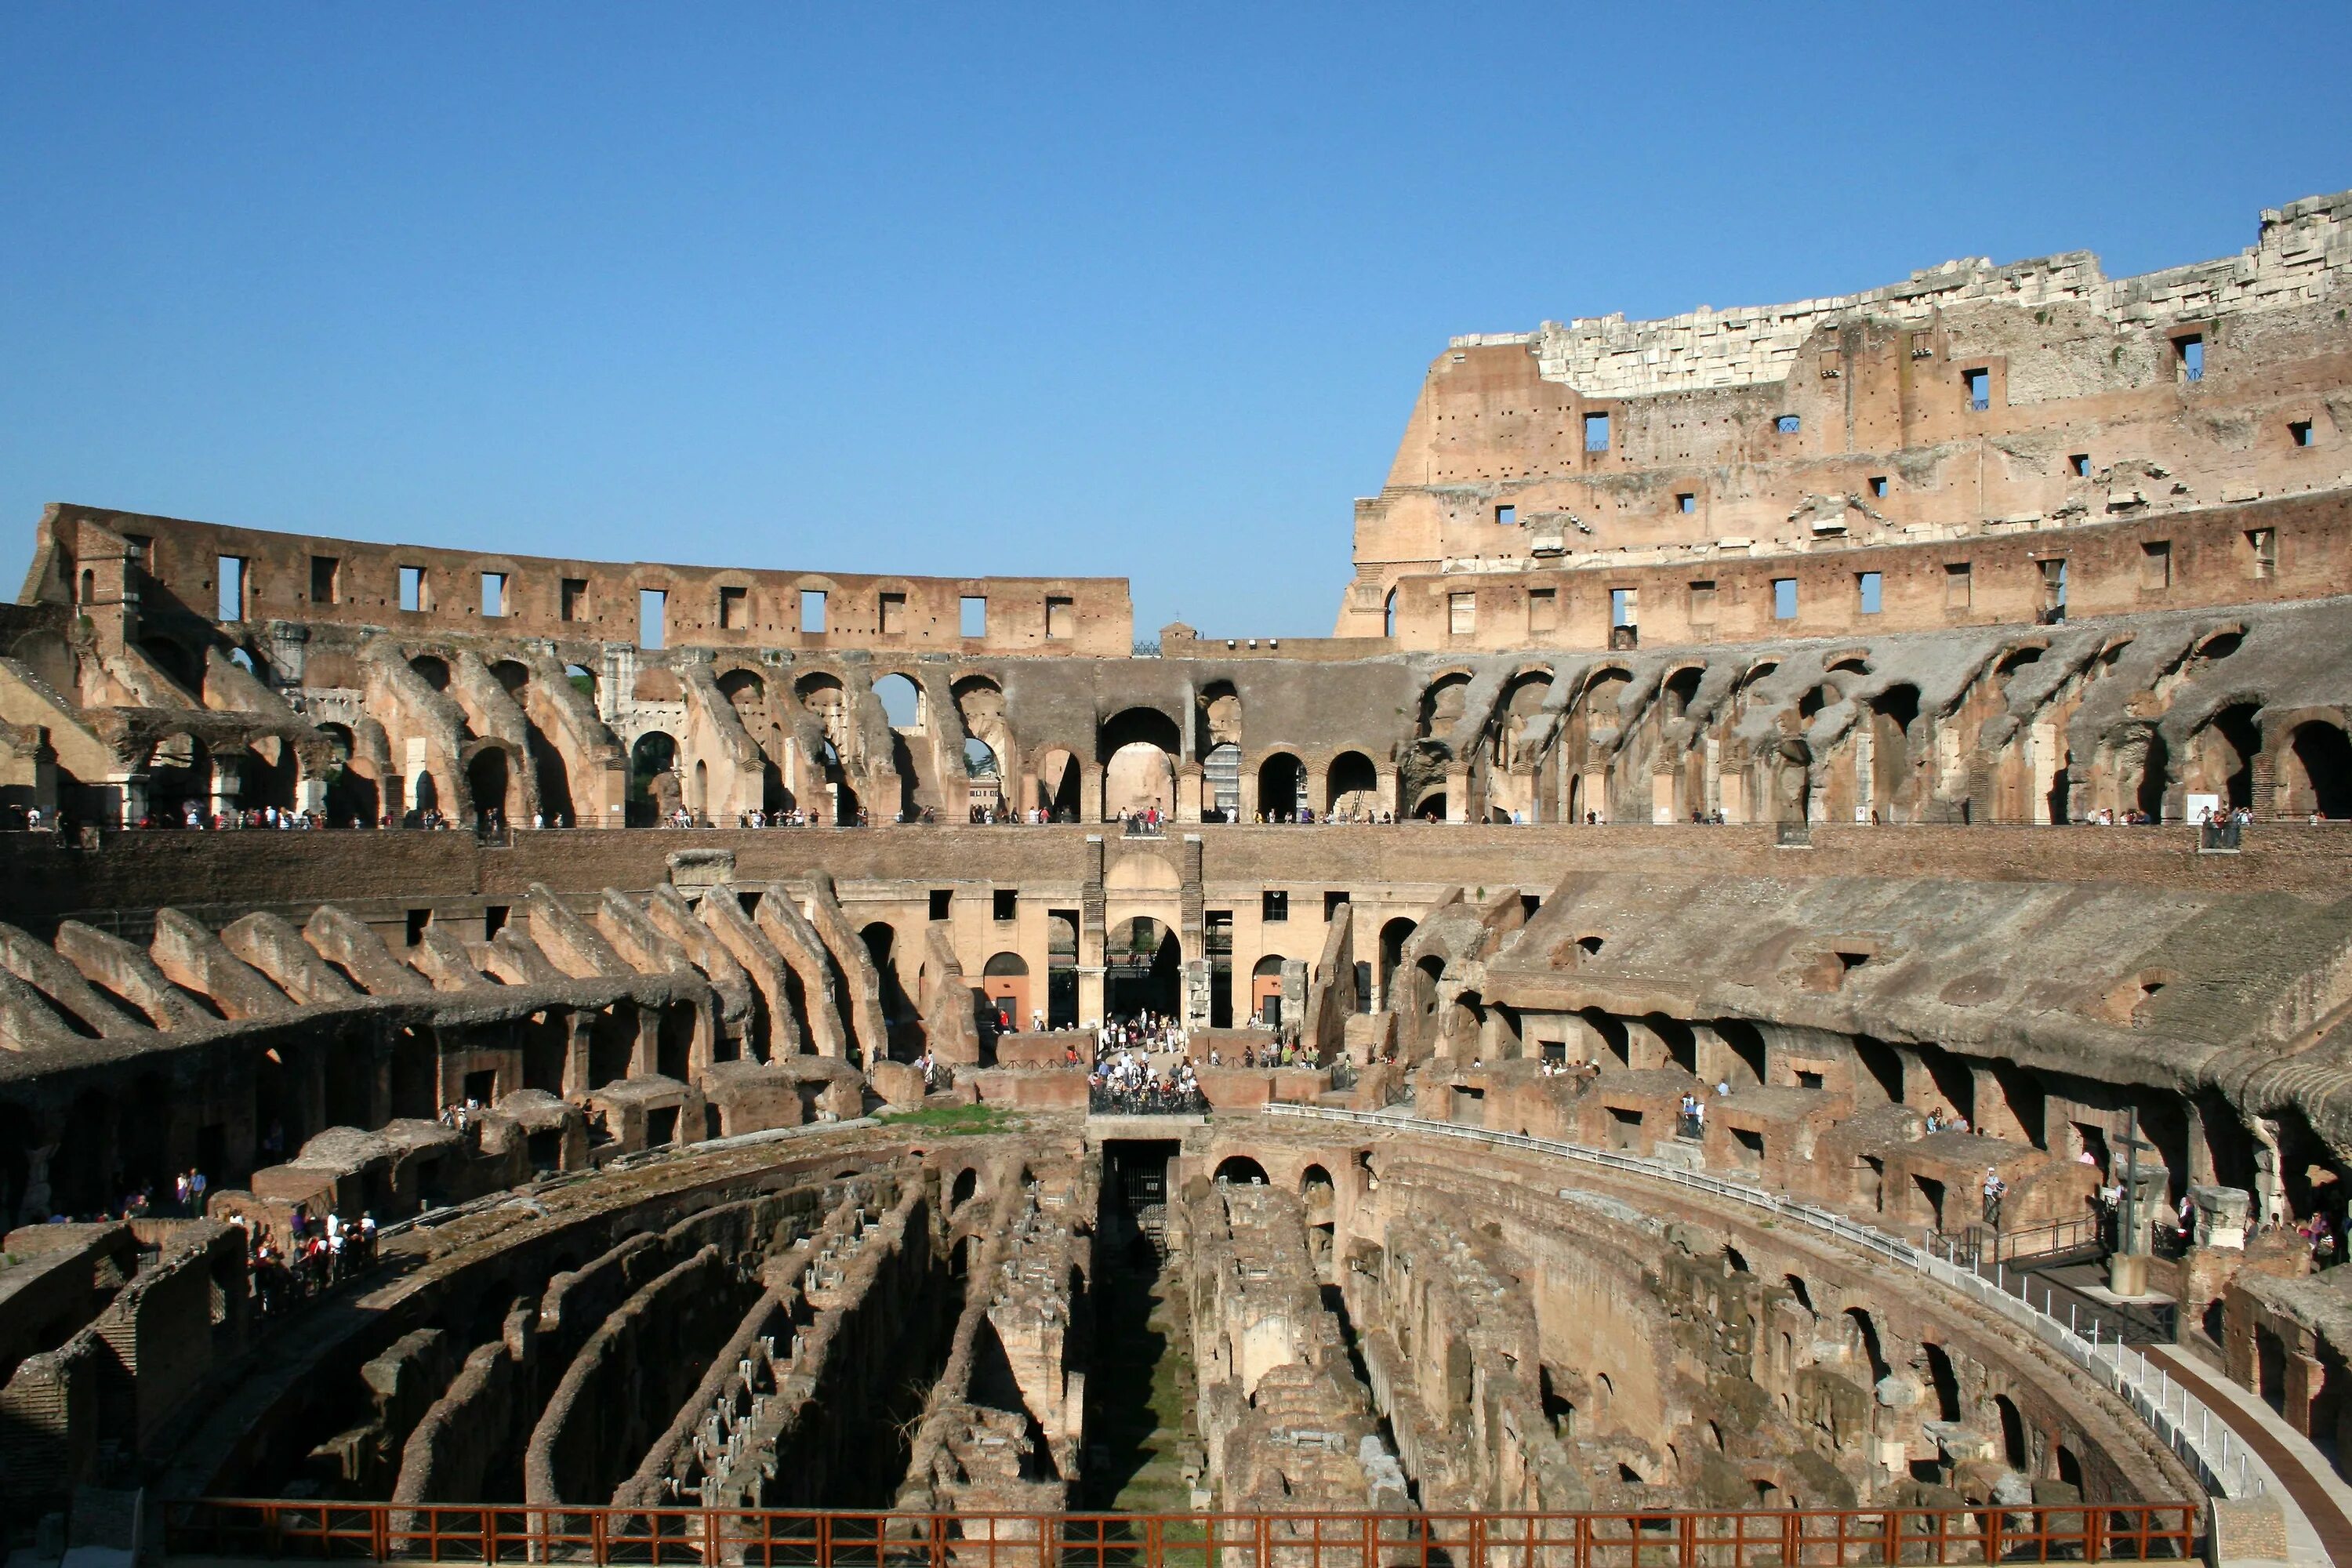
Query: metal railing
pixel 1750 1538
pixel 2184 1423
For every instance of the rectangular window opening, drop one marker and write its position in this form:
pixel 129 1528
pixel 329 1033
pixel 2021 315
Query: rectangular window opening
pixel 1543 609
pixel 940 897
pixel 575 598
pixel 1957 585
pixel 2261 550
pixel 1061 617
pixel 232 587
pixel 1784 598
pixel 2190 352
pixel 2299 431
pixel 2156 564
pixel 812 609
pixel 494 593
pixel 894 615
pixel 1789 424
pixel 413 593
pixel 1507 517
pixel 1333 902
pixel 1878 485
pixel 1624 607
pixel 1461 614
pixel 494 920
pixel 2079 465
pixel 1867 587
pixel 1702 602
pixel 1007 903
pixel 1980 385
pixel 326 580
pixel 417 920
pixel 1596 432
pixel 1273 908
pixel 652 609
pixel 974 616
pixel 1686 502
pixel 734 609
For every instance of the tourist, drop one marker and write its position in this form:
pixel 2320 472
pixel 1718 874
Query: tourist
pixel 1995 1189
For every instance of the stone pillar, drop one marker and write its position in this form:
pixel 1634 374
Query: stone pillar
pixel 1457 792
pixel 575 1053
pixel 130 793
pixel 1188 792
pixel 1091 934
pixel 2221 1216
pixel 646 1059
pixel 227 785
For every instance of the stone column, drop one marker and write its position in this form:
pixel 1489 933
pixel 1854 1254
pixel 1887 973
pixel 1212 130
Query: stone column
pixel 1091 934
pixel 576 1027
pixel 227 785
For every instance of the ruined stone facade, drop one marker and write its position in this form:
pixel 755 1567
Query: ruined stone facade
pixel 667 1259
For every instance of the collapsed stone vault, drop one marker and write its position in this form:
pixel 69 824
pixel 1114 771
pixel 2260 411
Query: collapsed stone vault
pixel 1902 590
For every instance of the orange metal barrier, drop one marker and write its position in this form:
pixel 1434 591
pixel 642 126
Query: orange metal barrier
pixel 1756 1538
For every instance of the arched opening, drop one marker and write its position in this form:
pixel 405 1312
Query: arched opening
pixel 432 670
pixel 1266 991
pixel 967 1183
pixel 1394 934
pixel 1353 787
pixel 2013 1449
pixel 1138 749
pixel 1058 780
pixel 2232 740
pixel 653 790
pixel 1061 970
pixel 899 1010
pixel 1241 1170
pixel 416 1075
pixel 1005 981
pixel 2319 772
pixel 351 796
pixel 1863 1336
pixel 902 701
pixel 179 778
pixel 1281 787
pixel 1746 1043
pixel 1681 688
pixel 1798 1289
pixel 487 783
pixel 1143 970
pixel 1679 1038
pixel 1947 1384
pixel 1814 700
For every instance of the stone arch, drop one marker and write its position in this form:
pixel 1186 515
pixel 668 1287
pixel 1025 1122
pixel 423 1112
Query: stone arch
pixel 1351 785
pixel 432 670
pixel 1060 784
pixel 1281 786
pixel 2315 770
pixel 1241 1170
pixel 655 791
pixel 1143 962
pixel 2222 753
pixel 1004 980
pixel 1138 749
pixel 1394 934
pixel 494 780
pixel 1443 703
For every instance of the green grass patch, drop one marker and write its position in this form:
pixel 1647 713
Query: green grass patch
pixel 953 1119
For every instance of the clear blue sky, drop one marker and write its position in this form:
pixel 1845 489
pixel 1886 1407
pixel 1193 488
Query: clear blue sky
pixel 1144 290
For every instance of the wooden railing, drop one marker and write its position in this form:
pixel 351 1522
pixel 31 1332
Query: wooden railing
pixel 1754 1537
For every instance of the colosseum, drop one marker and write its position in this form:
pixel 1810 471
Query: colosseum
pixel 1778 993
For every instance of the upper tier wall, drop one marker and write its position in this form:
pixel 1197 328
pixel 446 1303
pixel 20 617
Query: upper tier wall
pixel 2303 250
pixel 302 577
pixel 2037 395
